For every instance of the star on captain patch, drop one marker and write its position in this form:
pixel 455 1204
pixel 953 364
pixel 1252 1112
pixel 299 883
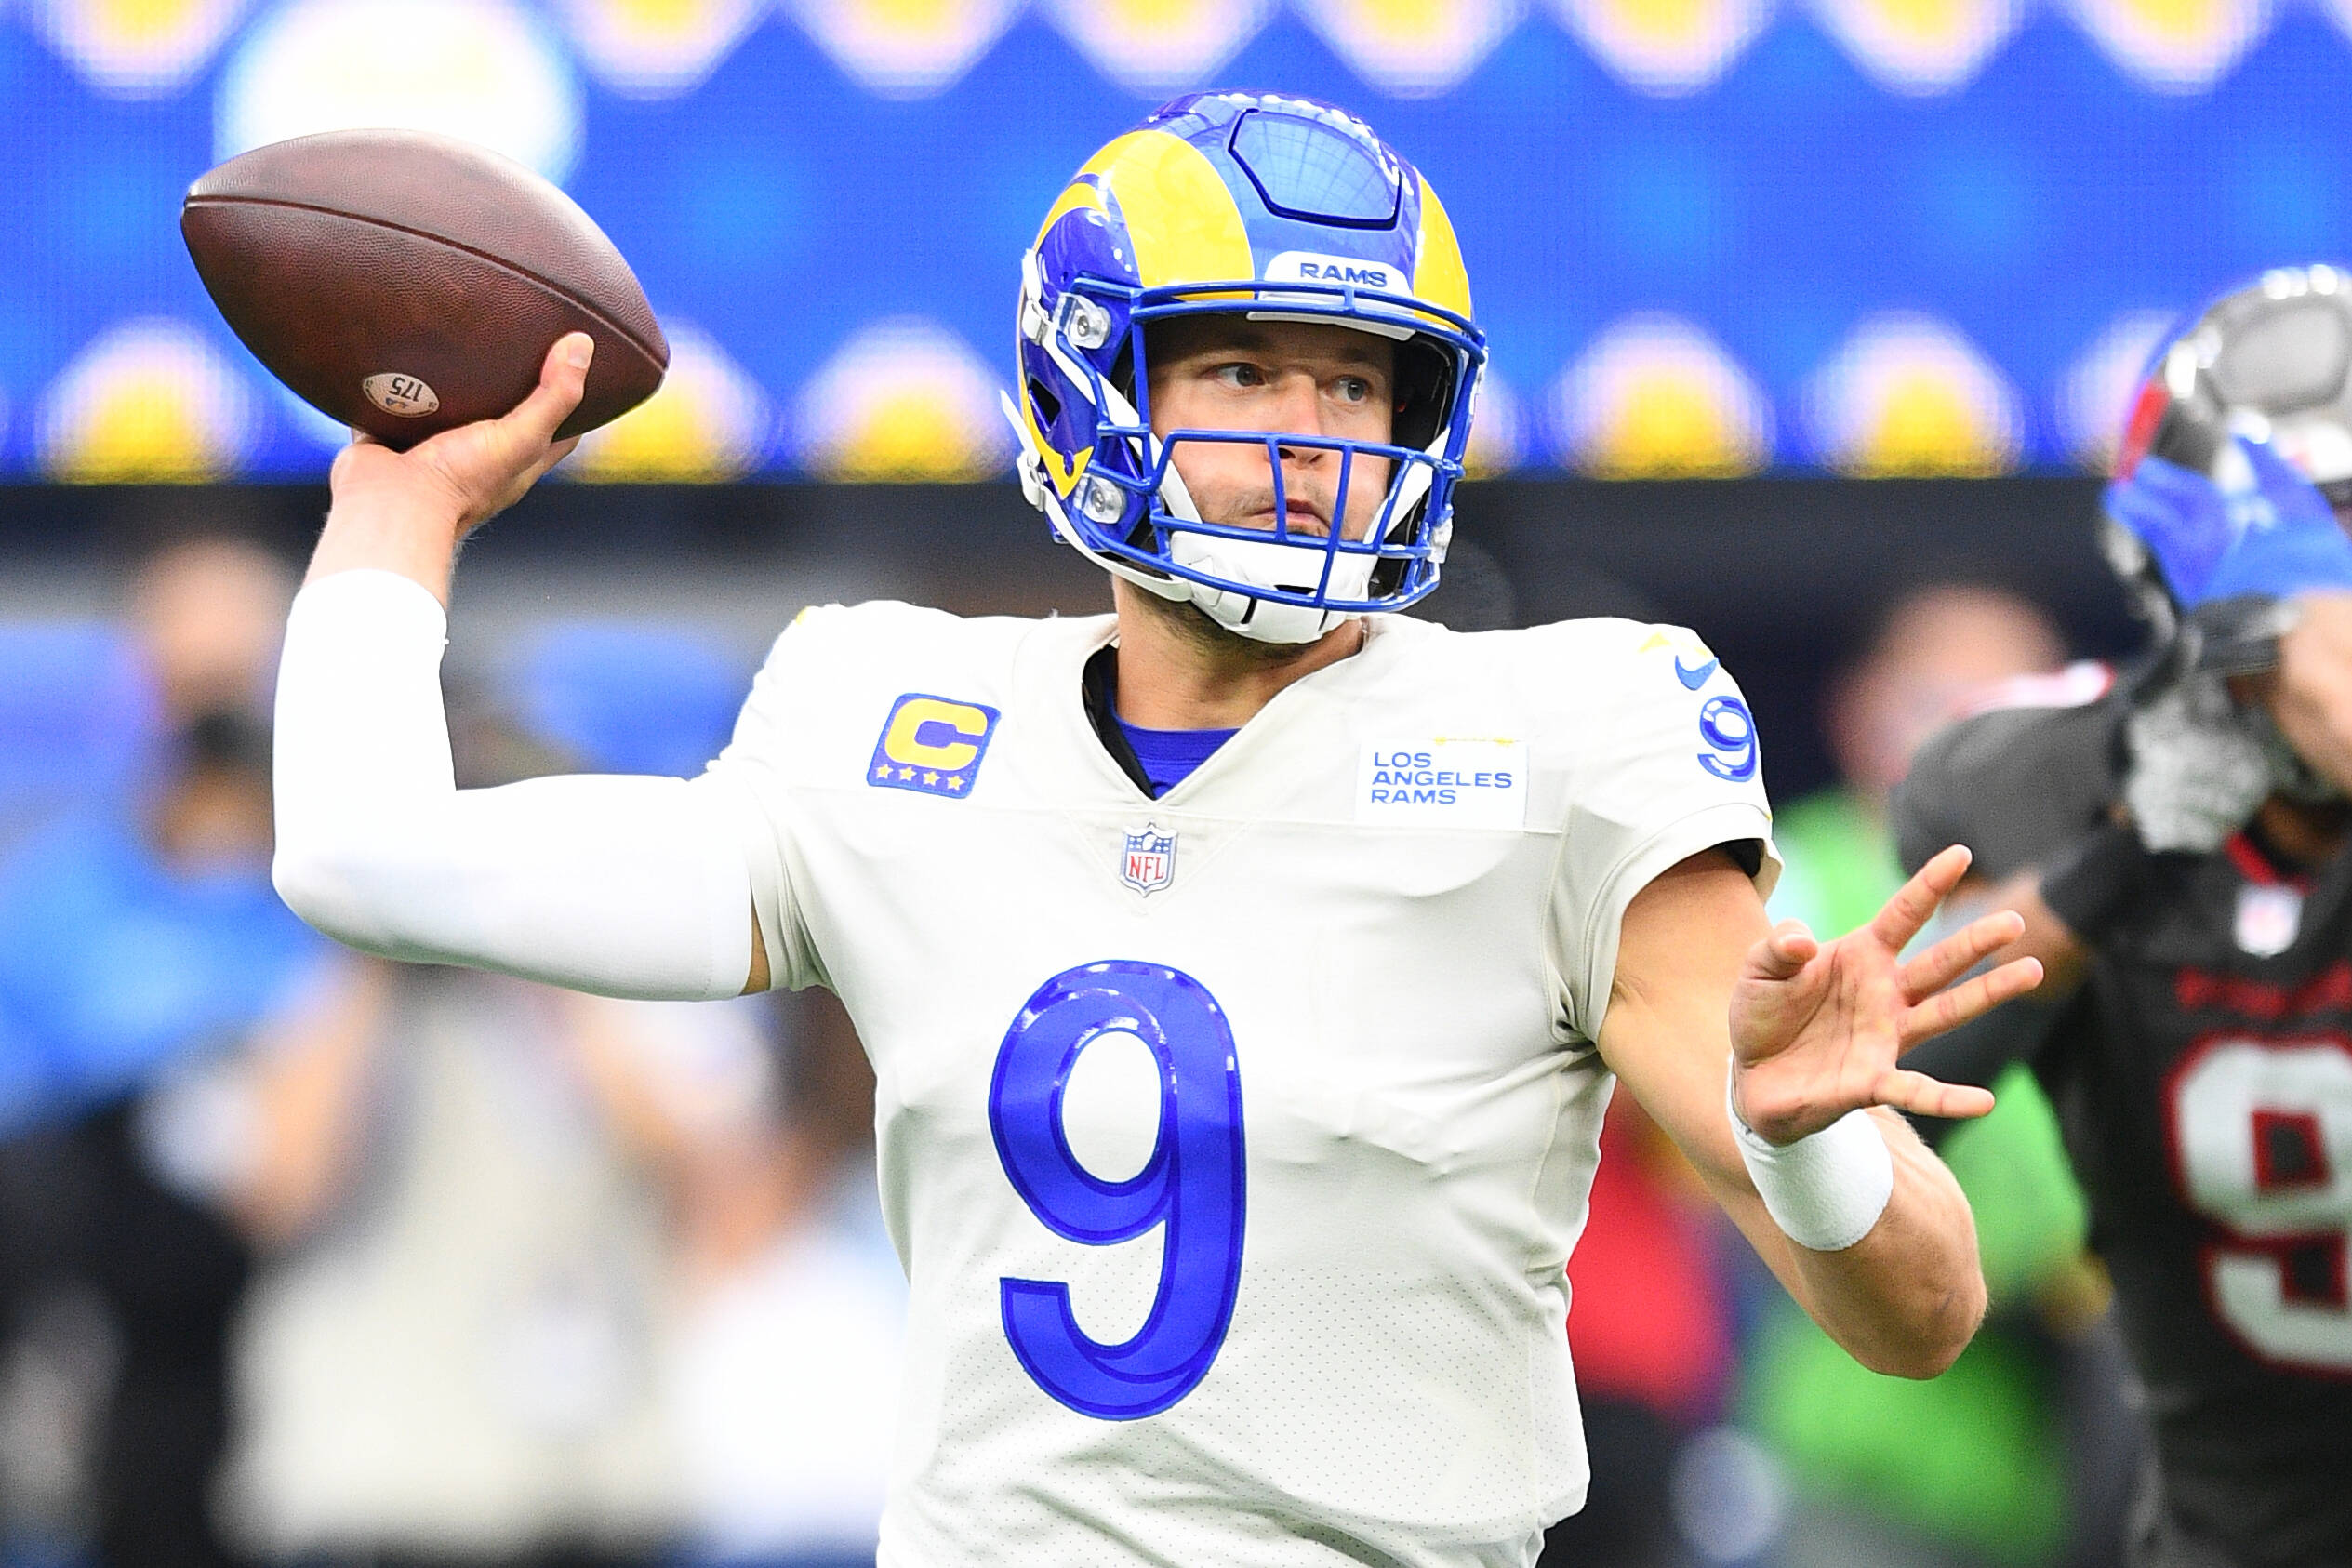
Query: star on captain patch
pixel 931 745
pixel 1147 864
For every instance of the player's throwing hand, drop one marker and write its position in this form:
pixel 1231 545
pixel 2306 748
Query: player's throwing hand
pixel 468 475
pixel 1818 1031
pixel 405 511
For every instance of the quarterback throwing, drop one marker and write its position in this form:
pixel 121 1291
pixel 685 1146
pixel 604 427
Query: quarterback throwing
pixel 1246 971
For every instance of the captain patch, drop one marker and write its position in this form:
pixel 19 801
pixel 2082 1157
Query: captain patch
pixel 1447 782
pixel 931 745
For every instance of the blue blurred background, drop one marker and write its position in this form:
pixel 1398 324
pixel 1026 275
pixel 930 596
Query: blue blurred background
pixel 1705 236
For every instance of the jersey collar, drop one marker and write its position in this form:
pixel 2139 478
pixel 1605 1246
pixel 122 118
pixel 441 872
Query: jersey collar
pixel 1074 668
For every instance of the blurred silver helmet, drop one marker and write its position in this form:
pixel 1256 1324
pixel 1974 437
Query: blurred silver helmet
pixel 2271 361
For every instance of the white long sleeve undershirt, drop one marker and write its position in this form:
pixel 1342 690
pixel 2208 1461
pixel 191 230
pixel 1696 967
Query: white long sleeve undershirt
pixel 625 885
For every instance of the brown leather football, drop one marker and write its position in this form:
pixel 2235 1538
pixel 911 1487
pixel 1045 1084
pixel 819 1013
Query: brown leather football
pixel 407 283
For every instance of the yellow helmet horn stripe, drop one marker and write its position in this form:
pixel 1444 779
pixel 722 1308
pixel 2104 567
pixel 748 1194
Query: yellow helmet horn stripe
pixel 1084 189
pixel 1178 214
pixel 1438 274
pixel 1181 218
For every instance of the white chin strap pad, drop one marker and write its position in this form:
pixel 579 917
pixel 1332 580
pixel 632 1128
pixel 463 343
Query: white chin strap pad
pixel 1291 567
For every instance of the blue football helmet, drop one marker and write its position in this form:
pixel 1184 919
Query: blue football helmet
pixel 1283 209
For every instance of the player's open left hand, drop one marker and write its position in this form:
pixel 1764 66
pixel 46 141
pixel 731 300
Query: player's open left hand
pixel 1820 1028
pixel 463 477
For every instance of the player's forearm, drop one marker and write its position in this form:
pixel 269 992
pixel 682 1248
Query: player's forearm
pixel 404 511
pixel 387 529
pixel 2047 936
pixel 1903 1299
pixel 624 886
pixel 1906 1299
pixel 2310 696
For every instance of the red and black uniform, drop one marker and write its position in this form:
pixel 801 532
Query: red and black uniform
pixel 2203 1077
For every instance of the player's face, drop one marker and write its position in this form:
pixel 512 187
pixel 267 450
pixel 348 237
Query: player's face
pixel 1221 372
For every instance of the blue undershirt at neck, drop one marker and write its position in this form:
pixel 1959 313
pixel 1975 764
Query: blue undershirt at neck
pixel 1168 756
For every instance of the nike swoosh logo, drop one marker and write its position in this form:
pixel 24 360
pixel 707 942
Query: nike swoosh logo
pixel 1694 679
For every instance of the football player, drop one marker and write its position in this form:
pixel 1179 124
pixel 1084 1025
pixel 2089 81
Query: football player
pixel 2178 846
pixel 1245 972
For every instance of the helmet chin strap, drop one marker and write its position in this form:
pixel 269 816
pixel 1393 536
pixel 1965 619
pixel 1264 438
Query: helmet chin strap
pixel 1265 565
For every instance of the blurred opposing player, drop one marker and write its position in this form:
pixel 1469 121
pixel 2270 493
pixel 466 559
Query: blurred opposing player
pixel 2193 898
pixel 1244 971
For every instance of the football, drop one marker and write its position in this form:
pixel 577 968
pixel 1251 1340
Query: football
pixel 405 283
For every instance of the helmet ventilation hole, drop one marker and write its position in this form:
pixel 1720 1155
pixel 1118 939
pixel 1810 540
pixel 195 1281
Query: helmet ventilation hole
pixel 1041 397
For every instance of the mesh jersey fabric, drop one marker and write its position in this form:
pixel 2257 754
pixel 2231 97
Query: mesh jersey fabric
pixel 1410 986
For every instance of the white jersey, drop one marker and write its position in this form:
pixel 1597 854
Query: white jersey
pixel 1234 1142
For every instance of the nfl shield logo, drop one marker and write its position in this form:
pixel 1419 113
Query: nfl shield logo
pixel 1149 863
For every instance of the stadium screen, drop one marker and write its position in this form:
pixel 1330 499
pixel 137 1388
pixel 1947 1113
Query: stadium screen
pixel 1709 237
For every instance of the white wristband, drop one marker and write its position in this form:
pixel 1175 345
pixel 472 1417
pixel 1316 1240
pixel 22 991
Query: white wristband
pixel 1825 1190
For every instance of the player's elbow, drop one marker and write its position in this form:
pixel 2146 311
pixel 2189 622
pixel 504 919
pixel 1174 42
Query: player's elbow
pixel 334 882
pixel 1932 1333
pixel 313 881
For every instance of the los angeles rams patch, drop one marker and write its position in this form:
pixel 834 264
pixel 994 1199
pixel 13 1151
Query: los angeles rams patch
pixel 1448 781
pixel 931 745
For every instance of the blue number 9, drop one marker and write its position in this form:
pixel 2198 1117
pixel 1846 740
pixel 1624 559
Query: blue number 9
pixel 1730 730
pixel 1192 1183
